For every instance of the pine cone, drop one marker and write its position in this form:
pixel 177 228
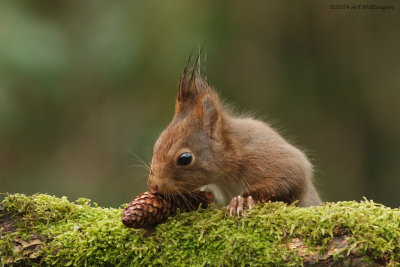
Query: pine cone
pixel 149 209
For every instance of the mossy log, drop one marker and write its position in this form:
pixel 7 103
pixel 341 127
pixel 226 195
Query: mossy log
pixel 42 229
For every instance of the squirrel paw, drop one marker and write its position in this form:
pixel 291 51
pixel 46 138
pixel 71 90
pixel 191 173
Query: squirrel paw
pixel 238 203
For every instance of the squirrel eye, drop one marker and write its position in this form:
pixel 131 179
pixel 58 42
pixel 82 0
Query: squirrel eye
pixel 185 159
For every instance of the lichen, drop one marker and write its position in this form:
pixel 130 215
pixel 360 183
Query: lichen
pixel 81 233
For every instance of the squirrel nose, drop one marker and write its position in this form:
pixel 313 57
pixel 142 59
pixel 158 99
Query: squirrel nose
pixel 153 189
pixel 153 184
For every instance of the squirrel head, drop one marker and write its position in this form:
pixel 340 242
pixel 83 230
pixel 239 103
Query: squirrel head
pixel 188 153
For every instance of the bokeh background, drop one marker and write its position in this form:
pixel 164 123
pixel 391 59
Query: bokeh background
pixel 86 87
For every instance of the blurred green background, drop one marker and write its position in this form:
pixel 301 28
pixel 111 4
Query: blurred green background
pixel 86 87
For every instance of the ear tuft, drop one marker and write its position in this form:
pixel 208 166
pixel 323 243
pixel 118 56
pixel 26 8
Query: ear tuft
pixel 191 83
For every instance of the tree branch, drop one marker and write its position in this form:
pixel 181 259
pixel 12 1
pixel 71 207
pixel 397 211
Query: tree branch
pixel 42 229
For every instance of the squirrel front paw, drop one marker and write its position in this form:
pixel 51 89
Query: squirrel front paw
pixel 238 203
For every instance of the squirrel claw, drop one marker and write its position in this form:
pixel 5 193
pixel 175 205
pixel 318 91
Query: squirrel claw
pixel 238 203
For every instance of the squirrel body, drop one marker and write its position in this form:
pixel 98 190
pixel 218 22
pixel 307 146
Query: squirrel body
pixel 238 159
pixel 269 167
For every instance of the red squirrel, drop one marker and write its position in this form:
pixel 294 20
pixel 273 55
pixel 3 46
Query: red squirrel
pixel 240 160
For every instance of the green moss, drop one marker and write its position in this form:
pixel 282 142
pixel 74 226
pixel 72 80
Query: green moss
pixel 81 233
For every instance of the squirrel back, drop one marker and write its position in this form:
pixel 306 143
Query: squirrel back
pixel 205 146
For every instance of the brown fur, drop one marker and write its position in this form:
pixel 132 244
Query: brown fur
pixel 231 156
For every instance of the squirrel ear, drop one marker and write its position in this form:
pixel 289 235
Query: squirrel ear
pixel 211 116
pixel 187 87
pixel 190 85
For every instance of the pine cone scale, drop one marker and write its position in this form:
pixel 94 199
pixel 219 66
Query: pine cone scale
pixel 149 209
